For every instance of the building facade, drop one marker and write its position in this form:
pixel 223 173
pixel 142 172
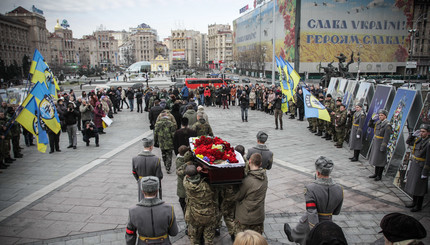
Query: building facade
pixel 187 49
pixel 220 45
pixel 14 40
pixel 37 32
pixel 420 37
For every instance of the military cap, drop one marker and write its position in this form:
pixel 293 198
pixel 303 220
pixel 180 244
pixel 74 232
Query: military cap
pixel 150 184
pixel 425 126
pixel 321 96
pixel 262 136
pixel 329 96
pixel 324 165
pixel 147 142
pixel 398 227
pixel 359 104
pixel 326 232
pixel 382 111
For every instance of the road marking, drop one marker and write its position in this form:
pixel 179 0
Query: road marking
pixel 24 202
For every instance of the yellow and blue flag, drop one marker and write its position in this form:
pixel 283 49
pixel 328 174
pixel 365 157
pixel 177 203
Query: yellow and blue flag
pixel 46 106
pixel 313 108
pixel 42 73
pixel 29 118
pixel 284 85
pixel 284 106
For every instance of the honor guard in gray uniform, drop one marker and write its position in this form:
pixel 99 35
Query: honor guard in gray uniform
pixel 382 133
pixel 146 164
pixel 356 136
pixel 151 221
pixel 324 199
pixel 263 150
pixel 419 170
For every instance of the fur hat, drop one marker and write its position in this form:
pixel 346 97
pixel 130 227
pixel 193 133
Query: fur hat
pixel 324 165
pixel 150 184
pixel 382 111
pixel 262 136
pixel 147 142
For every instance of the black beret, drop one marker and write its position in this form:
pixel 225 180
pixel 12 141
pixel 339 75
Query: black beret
pixel 328 96
pixel 399 227
pixel 338 100
pixel 326 232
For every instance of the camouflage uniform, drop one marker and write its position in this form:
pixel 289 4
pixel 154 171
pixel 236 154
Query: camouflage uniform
pixel 328 126
pixel 5 143
pixel 201 209
pixel 292 107
pixel 340 123
pixel 16 134
pixel 164 131
pixel 202 128
pixel 3 146
pixel 226 204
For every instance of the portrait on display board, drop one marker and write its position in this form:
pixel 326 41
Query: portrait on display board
pixel 379 101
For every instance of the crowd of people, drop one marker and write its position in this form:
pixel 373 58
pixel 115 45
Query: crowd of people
pixel 241 207
pixel 175 115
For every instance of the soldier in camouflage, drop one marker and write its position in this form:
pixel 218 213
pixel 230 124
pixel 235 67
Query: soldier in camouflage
pixel 202 127
pixel 319 122
pixel 164 131
pixel 292 107
pixel 5 143
pixel 200 215
pixel 3 128
pixel 340 124
pixel 15 136
pixel 328 126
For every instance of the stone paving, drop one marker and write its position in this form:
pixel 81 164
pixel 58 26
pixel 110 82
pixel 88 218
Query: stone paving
pixel 91 207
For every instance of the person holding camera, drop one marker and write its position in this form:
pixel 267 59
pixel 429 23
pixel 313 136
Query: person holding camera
pixel 278 109
pixel 71 119
pixel 90 131
pixel 86 110
pixel 244 105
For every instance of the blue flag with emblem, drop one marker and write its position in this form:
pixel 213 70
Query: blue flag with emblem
pixel 313 108
pixel 29 118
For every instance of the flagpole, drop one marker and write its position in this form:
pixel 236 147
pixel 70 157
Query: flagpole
pixel 273 43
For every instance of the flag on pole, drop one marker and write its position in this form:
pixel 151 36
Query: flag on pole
pixel 284 106
pixel 42 73
pixel 284 85
pixel 46 106
pixel 313 108
pixel 29 118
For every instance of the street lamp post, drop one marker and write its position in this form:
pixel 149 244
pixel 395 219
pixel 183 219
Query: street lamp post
pixel 413 33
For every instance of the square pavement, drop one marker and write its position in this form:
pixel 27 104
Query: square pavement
pixel 92 208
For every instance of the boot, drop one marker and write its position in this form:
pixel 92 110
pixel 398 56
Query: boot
pixel 324 135
pixel 319 133
pixel 328 137
pixel 3 166
pixel 276 124
pixel 8 160
pixel 414 202
pixel 419 205
pixel 287 230
pixel 356 154
pixel 18 155
pixel 379 173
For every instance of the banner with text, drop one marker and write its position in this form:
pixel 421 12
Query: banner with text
pixel 377 29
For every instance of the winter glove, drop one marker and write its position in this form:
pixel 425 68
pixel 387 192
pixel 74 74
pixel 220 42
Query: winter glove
pixel 358 136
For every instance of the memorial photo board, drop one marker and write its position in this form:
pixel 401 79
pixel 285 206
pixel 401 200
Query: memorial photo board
pixel 400 178
pixel 332 86
pixel 349 93
pixel 364 92
pixel 397 116
pixel 340 90
pixel 379 101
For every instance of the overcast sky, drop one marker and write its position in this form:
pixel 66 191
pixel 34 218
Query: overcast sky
pixel 84 16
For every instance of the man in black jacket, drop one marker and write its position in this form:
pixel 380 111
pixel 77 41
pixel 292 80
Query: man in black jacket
pixel 182 135
pixel 71 119
pixel 153 113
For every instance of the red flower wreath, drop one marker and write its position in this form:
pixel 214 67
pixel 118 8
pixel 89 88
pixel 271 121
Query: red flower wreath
pixel 203 146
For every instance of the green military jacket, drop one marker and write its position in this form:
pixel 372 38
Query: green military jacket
pixel 164 131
